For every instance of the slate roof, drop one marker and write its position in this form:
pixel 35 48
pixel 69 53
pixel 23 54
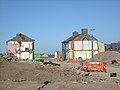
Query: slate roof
pixel 80 37
pixel 21 37
pixel 70 38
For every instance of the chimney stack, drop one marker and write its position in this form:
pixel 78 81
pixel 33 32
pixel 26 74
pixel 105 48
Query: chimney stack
pixel 84 31
pixel 18 35
pixel 75 33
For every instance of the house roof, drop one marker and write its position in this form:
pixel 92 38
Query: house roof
pixel 21 37
pixel 79 37
pixel 70 38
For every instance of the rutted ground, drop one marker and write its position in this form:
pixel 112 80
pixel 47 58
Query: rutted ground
pixel 34 75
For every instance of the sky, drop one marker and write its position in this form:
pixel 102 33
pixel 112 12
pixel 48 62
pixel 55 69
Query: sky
pixel 49 22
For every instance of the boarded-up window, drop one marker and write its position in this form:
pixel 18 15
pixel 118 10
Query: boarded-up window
pixel 86 45
pixel 77 45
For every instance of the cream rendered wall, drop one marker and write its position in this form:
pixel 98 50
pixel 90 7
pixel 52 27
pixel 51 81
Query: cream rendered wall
pixel 69 51
pixel 95 52
pixel 67 55
pixel 95 45
pixel 84 51
pixel 70 45
pixel 70 54
pixel 101 47
pixel 67 46
pixel 84 54
pixel 78 54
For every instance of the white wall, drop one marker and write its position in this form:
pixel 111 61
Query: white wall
pixel 31 56
pixel 18 55
pixel 55 55
pixel 25 55
pixel 26 45
pixel 13 42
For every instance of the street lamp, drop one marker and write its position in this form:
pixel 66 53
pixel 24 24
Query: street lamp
pixel 92 45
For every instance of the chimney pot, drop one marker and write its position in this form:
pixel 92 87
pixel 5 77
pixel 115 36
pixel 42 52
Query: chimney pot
pixel 84 31
pixel 75 33
pixel 18 35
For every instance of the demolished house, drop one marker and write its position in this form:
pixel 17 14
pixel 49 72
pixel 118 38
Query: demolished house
pixel 79 46
pixel 21 46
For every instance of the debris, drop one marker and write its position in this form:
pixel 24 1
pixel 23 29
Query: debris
pixel 117 82
pixel 9 58
pixel 82 72
pixel 45 83
pixel 102 79
pixel 87 74
pixel 21 80
pixel 114 62
pixel 78 68
pixel 84 83
pixel 107 56
pixel 51 63
pixel 41 60
pixel 78 71
pixel 113 74
pixel 93 81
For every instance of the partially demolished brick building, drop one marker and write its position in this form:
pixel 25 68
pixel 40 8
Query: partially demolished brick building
pixel 79 46
pixel 21 46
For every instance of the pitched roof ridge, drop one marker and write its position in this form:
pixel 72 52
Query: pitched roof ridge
pixel 20 37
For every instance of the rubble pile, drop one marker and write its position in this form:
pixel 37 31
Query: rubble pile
pixel 47 75
pixel 107 56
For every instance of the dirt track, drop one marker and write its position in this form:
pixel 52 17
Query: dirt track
pixel 31 76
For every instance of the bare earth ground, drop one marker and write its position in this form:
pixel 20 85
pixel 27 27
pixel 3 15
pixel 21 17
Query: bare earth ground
pixel 32 76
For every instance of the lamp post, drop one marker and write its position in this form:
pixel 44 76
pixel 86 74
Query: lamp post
pixel 92 45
